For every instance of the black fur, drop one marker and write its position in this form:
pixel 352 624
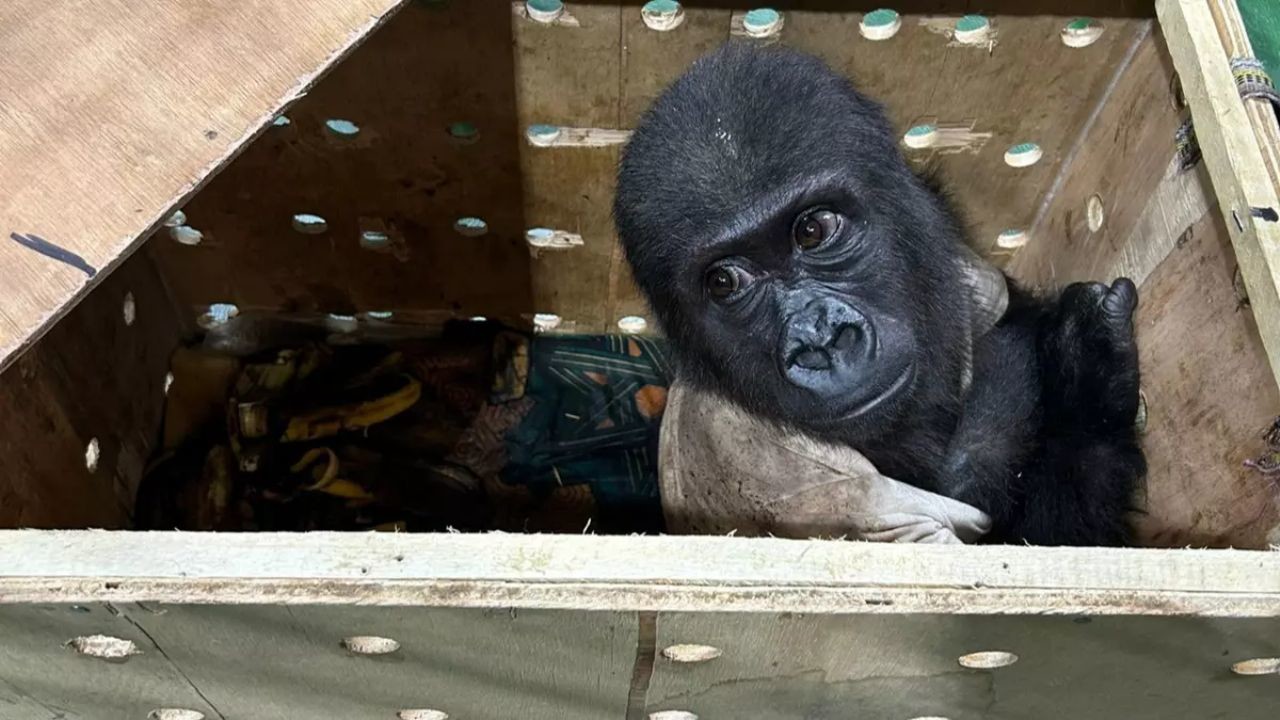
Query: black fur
pixel 860 338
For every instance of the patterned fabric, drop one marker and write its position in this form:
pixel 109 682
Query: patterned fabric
pixel 597 404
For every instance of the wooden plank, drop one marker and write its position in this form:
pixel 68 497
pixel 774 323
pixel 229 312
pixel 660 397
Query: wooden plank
pixel 115 111
pixel 817 667
pixel 1234 157
pixel 92 377
pixel 630 574
pixel 1210 395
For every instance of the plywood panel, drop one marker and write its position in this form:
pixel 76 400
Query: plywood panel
pixel 808 667
pixel 92 377
pixel 1127 152
pixel 665 573
pixel 116 110
pixel 403 174
pixel 571 77
pixel 1210 396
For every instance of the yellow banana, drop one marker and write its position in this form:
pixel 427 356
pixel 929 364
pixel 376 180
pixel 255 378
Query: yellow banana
pixel 328 421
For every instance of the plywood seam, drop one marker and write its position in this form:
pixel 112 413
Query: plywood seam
pixel 1081 139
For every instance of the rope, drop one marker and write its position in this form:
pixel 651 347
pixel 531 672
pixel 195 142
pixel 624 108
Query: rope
pixel 1253 83
pixel 1253 80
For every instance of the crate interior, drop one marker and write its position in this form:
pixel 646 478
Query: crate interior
pixel 459 165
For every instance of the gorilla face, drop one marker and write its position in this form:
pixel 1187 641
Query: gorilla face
pixel 793 259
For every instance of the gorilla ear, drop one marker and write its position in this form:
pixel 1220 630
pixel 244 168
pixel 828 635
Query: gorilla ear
pixel 988 292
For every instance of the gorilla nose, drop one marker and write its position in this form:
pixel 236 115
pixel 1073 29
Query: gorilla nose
pixel 826 336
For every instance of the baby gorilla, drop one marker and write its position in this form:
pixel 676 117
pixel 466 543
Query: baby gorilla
pixel 801 269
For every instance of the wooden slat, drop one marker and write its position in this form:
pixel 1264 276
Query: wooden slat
pixel 114 111
pixel 630 573
pixel 1234 156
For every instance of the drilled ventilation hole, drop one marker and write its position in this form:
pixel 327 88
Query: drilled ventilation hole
pixel 691 653
pixel 174 714
pixel 673 715
pixel 542 322
pixel 471 226
pixel 762 22
pixel 186 235
pixel 1094 213
pixel 218 314
pixel 988 660
pixel 632 324
pixel 544 11
pixel 542 135
pixel 341 323
pixel 1257 666
pixel 309 224
pixel 662 15
pixel 104 647
pixel 539 236
pixel 168 382
pixel 921 136
pixel 464 132
pixel 177 218
pixel 1081 32
pixel 341 128
pixel 1011 239
pixel 92 453
pixel 1023 155
pixel 880 24
pixel 370 645
pixel 423 714
pixel 374 239
pixel 129 309
pixel 973 30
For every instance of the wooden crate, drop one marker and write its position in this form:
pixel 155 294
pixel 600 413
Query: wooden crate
pixel 117 114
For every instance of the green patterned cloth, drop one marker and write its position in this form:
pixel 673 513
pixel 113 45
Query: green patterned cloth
pixel 1262 20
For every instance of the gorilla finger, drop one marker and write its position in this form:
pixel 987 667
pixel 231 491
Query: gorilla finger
pixel 1122 299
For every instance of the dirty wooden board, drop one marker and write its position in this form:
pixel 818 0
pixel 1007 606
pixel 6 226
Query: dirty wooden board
pixel 1128 151
pixel 831 667
pixel 281 663
pixel 1210 395
pixel 1234 156
pixel 91 376
pixel 403 174
pixel 115 111
pixel 569 77
pixel 278 663
pixel 666 573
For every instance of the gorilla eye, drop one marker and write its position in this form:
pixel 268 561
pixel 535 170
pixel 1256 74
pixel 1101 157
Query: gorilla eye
pixel 814 228
pixel 721 282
